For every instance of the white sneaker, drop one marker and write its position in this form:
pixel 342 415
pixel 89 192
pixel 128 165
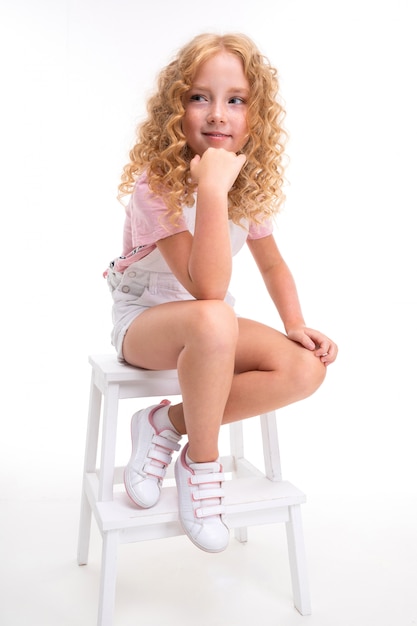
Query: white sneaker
pixel 200 503
pixel 151 454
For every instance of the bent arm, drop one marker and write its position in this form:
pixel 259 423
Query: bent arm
pixel 278 281
pixel 203 262
pixel 281 287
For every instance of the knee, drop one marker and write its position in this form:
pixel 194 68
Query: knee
pixel 314 373
pixel 215 324
pixel 308 374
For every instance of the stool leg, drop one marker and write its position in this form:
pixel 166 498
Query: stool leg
pixel 237 452
pixel 108 443
pixel 84 531
pixel 90 460
pixel 298 562
pixel 108 578
pixel 271 446
pixel 241 534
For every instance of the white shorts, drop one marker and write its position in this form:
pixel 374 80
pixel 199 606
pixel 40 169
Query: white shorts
pixel 136 290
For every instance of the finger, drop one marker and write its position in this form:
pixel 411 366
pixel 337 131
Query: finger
pixel 323 349
pixel 242 159
pixel 330 356
pixel 193 168
pixel 304 339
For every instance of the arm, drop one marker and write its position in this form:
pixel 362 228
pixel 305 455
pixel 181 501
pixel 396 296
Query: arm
pixel 282 289
pixel 203 262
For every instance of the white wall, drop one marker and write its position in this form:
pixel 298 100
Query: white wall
pixel 75 76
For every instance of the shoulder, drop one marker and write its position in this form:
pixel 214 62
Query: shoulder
pixel 143 195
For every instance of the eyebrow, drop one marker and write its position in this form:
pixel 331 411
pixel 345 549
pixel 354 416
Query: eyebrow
pixel 237 90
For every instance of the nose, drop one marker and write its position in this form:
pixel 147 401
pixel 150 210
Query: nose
pixel 217 113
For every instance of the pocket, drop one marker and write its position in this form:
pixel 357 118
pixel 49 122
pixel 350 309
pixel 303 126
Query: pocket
pixel 129 290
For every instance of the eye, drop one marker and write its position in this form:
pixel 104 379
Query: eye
pixel 237 100
pixel 197 97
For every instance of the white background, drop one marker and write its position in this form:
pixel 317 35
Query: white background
pixel 75 76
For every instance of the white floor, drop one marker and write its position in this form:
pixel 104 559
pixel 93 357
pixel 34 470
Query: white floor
pixel 362 563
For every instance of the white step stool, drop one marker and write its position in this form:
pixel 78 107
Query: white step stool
pixel 251 497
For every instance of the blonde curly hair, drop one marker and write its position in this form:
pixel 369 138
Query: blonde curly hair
pixel 161 147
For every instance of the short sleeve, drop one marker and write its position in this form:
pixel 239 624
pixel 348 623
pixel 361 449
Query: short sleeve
pixel 257 231
pixel 148 217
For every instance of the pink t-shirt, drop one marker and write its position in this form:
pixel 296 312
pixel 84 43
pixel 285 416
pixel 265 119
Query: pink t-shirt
pixel 147 222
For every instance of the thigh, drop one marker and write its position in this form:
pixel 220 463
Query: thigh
pixel 155 339
pixel 264 348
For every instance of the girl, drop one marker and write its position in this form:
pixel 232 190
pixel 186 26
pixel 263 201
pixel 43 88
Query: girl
pixel 204 177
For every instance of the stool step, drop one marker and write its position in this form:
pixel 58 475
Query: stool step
pixel 247 501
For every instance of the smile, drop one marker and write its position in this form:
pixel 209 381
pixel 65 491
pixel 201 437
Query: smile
pixel 216 135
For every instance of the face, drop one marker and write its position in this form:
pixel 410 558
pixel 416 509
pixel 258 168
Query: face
pixel 216 106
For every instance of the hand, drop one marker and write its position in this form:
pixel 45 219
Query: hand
pixel 217 167
pixel 324 348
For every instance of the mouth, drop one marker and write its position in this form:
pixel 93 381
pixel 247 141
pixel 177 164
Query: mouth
pixel 216 135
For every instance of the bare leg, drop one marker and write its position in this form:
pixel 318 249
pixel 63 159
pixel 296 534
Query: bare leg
pixel 271 372
pixel 228 369
pixel 199 339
